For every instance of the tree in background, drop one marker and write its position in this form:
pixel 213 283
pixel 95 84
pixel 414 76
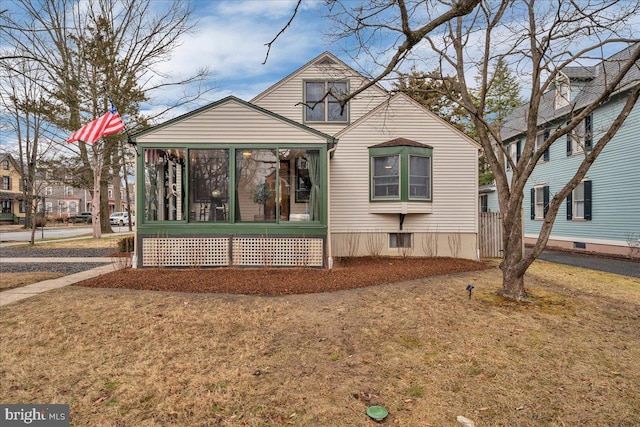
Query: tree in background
pixel 502 96
pixel 81 49
pixel 439 95
pixel 465 38
pixel 436 94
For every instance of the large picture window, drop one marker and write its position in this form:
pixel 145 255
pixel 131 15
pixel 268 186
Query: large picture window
pixel 209 185
pixel 164 176
pixel 322 101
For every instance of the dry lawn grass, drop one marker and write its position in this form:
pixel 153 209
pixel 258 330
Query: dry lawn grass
pixel 108 241
pixel 420 348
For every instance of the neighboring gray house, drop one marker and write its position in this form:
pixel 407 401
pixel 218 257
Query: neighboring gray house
pixel 291 179
pixel 602 213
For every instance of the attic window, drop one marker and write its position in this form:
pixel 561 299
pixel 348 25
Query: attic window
pixel 321 101
pixel 326 61
pixel 563 92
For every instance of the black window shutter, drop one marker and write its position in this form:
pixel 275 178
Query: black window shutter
pixel 533 203
pixel 546 200
pixel 518 150
pixel 588 132
pixel 587 200
pixel 570 206
pixel 545 156
pixel 569 144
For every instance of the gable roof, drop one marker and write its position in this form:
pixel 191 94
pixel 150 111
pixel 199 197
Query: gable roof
pixel 330 139
pixel 596 78
pixel 401 142
pixel 325 59
pixel 404 96
pixel 9 157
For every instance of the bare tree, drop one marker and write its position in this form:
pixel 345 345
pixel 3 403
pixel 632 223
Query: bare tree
pixel 25 110
pixel 463 38
pixel 84 48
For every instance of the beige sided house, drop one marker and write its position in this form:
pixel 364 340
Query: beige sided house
pixel 291 179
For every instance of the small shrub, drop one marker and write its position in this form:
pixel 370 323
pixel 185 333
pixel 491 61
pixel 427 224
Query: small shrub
pixel 40 221
pixel 126 244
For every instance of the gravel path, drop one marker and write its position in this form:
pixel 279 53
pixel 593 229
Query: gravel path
pixel 62 267
pixel 57 267
pixel 36 252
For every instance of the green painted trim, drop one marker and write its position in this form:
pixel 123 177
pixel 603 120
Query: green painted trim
pixel 404 152
pixel 161 226
pixel 173 228
pixel 330 139
pixel 304 102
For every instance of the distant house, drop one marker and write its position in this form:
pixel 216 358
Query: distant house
pixel 12 207
pixel 292 179
pixel 601 214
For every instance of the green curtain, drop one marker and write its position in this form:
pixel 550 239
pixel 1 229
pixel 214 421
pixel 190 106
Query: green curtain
pixel 239 160
pixel 313 158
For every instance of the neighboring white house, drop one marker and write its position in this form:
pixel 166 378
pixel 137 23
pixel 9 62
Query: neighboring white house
pixel 292 179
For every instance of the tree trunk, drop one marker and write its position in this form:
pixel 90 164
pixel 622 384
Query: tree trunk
pixel 104 207
pixel 513 265
pixel 512 279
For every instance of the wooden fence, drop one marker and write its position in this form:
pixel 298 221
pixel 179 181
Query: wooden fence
pixel 490 235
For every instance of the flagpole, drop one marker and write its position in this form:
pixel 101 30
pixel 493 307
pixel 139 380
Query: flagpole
pixel 129 139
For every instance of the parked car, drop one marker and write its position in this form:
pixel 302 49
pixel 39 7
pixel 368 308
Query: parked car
pixel 81 217
pixel 121 218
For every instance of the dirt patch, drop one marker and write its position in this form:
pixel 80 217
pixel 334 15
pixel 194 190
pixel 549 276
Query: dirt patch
pixel 347 274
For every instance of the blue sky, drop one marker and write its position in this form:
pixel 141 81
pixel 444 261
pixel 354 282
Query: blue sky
pixel 230 40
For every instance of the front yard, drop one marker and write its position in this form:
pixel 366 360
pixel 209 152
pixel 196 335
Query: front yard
pixel 420 348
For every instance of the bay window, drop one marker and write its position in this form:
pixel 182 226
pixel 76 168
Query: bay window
pixel 386 178
pixel 400 172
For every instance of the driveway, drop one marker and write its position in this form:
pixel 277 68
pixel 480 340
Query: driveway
pixel 610 265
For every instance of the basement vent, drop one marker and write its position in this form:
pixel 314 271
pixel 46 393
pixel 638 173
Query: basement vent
pixel 579 245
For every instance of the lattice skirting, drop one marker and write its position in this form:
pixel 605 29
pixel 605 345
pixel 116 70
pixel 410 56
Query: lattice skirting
pixel 185 251
pixel 245 251
pixel 277 251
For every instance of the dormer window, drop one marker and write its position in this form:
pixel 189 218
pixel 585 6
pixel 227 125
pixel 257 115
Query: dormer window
pixel 321 101
pixel 563 91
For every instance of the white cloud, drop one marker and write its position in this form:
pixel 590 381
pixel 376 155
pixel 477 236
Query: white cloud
pixel 230 41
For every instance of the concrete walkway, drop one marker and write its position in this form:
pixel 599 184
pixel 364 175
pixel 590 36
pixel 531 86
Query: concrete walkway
pixel 24 292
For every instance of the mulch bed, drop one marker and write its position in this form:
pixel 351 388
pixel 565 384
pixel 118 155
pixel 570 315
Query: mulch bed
pixel 346 274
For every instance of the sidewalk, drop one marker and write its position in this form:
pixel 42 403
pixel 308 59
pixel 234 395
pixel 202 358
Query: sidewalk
pixel 24 292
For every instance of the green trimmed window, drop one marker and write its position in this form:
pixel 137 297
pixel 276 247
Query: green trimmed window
pixel 400 174
pixel 245 184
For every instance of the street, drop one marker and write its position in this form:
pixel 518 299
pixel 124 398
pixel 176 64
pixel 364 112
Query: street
pixel 61 232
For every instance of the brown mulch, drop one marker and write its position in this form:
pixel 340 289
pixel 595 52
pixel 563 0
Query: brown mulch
pixel 346 274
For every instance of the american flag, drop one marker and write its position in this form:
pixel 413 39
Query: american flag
pixel 108 124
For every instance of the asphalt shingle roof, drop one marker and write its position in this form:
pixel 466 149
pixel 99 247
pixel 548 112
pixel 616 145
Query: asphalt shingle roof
pixel 595 80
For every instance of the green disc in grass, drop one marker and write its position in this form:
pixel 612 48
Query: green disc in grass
pixel 378 413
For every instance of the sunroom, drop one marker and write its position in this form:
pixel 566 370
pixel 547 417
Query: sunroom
pixel 231 184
